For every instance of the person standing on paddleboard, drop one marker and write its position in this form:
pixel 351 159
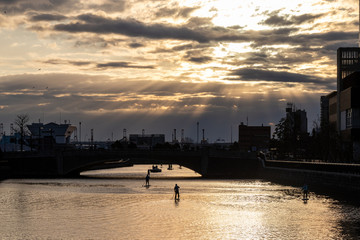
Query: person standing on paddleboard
pixel 177 193
pixel 305 191
pixel 147 179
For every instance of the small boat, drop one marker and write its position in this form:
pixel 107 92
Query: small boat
pixel 155 169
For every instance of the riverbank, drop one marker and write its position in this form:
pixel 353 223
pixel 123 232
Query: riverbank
pixel 338 181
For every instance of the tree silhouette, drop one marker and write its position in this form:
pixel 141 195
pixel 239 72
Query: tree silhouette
pixel 284 136
pixel 20 122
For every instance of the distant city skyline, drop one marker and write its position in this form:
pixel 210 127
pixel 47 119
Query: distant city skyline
pixel 164 65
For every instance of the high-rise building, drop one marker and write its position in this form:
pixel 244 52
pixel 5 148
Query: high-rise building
pixel 348 62
pixel 344 104
pixel 348 112
pixel 297 118
pixel 346 100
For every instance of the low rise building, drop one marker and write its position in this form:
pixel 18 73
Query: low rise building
pixel 254 138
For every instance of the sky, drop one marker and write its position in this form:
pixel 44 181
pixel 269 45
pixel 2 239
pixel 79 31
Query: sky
pixel 161 65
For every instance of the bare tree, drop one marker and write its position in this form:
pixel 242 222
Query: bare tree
pixel 20 122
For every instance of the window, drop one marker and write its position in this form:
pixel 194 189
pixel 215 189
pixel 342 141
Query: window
pixel 349 118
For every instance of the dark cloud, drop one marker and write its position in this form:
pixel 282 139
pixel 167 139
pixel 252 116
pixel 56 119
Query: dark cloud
pixel 132 28
pixel 204 59
pixel 136 45
pixel 196 22
pixel 183 47
pixel 64 6
pixel 305 18
pixel 9 1
pixel 250 74
pixel 97 42
pixel 166 12
pixel 274 57
pixel 95 64
pixel 285 20
pixel 22 6
pixel 289 36
pixel 175 12
pixel 110 6
pixel 47 17
pixel 121 65
pixel 198 55
pixel 70 62
pixel 236 27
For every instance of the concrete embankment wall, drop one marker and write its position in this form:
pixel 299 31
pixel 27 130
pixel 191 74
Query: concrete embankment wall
pixel 339 183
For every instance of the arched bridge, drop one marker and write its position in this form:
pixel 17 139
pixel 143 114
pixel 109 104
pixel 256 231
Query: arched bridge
pixel 207 162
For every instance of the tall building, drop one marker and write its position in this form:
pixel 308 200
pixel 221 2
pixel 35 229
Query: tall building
pixel 346 100
pixel 297 118
pixel 344 104
pixel 348 113
pixel 348 62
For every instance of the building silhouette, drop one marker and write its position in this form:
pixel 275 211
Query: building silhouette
pixel 146 141
pixel 328 111
pixel 343 105
pixel 297 119
pixel 254 138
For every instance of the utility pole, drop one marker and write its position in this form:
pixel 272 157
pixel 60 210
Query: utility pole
pixel 197 133
pixel 92 138
pixel 124 134
pixel 80 134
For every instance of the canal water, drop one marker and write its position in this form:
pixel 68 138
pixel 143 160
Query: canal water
pixel 114 204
